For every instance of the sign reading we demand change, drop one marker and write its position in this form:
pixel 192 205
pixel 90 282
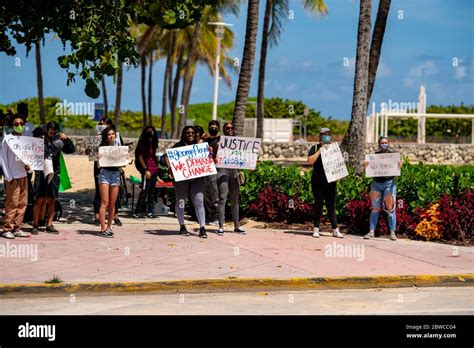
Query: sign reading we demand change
pixel 28 150
pixel 238 152
pixel 191 161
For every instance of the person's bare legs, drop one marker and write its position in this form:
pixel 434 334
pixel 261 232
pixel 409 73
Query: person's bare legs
pixel 50 207
pixel 104 203
pixel 113 194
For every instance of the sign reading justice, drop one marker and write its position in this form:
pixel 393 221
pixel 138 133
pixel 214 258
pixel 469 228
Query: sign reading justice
pixel 238 152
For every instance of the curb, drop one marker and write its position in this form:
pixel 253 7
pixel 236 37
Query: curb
pixel 243 284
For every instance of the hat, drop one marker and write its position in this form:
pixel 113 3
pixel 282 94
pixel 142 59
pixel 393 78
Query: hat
pixel 324 130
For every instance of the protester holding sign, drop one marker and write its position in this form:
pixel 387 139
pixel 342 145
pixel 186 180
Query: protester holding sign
pixel 184 187
pixel 383 187
pixel 211 194
pixel 109 179
pixel 322 190
pixel 101 126
pixel 227 181
pixel 55 142
pixel 16 184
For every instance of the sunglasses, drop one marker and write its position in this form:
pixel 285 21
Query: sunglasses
pixel 18 124
pixel 229 128
pixel 190 133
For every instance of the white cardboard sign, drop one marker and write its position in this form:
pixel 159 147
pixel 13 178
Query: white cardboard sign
pixel 191 161
pixel 333 162
pixel 113 156
pixel 238 152
pixel 382 164
pixel 28 150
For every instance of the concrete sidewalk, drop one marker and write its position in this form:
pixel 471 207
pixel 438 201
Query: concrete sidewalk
pixel 146 250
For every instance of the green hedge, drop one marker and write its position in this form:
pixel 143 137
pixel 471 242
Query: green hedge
pixel 419 184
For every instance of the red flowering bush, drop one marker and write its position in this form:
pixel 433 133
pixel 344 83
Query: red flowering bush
pixel 456 216
pixel 274 206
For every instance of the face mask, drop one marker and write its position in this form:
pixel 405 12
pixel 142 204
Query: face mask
pixel 326 139
pixel 384 146
pixel 100 129
pixel 19 129
pixel 213 132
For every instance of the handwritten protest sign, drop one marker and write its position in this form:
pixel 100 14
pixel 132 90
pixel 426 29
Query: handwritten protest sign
pixel 191 161
pixel 238 152
pixel 382 164
pixel 92 144
pixel 28 150
pixel 113 156
pixel 333 162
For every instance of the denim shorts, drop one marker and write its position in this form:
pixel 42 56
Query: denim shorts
pixel 110 177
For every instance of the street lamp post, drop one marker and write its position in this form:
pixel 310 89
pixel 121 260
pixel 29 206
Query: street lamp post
pixel 220 34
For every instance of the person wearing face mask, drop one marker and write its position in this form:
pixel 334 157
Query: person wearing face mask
pixel 322 190
pixel 192 188
pixel 55 142
pixel 147 162
pixel 386 189
pixel 16 184
pixel 101 126
pixel 211 194
pixel 228 182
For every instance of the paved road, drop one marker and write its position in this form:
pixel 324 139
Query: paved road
pixel 410 301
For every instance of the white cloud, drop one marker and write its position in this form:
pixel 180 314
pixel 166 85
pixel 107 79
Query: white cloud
pixel 460 72
pixel 418 73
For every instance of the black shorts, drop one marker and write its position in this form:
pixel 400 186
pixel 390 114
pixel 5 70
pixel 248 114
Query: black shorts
pixel 43 189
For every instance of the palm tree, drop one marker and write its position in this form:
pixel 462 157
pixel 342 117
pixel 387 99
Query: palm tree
pixel 276 11
pixel 39 81
pixel 246 68
pixel 118 96
pixel 104 90
pixel 143 81
pixel 354 140
pixel 150 73
pixel 376 44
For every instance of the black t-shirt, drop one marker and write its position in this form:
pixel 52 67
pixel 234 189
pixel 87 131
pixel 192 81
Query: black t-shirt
pixel 319 175
pixel 383 178
pixel 213 143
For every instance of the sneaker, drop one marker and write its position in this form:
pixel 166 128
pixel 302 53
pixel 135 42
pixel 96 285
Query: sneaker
pixel 393 236
pixel 183 231
pixel 34 230
pixel 202 232
pixel 21 234
pixel 370 235
pixel 214 223
pixel 96 222
pixel 316 232
pixel 8 235
pixel 220 231
pixel 240 230
pixel 51 229
pixel 150 215
pixel 106 234
pixel 118 222
pixel 336 233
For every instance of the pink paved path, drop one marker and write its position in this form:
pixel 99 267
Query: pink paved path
pixel 150 250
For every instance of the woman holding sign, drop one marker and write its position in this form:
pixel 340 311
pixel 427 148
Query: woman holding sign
pixel 322 190
pixel 109 184
pixel 192 188
pixel 383 187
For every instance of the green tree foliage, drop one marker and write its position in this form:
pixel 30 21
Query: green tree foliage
pixel 435 126
pixel 97 31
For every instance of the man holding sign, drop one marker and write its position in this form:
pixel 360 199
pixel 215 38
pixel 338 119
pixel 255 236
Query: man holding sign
pixel 16 182
pixel 324 188
pixel 383 166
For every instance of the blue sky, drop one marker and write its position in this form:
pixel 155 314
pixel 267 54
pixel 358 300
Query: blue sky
pixel 423 42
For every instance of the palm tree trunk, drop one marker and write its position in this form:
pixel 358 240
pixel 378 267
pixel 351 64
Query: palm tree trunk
pixel 150 72
pixel 118 97
pixel 245 76
pixel 261 70
pixel 354 140
pixel 143 70
pixel 187 77
pixel 174 98
pixel 39 81
pixel 376 44
pixel 104 92
pixel 170 74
